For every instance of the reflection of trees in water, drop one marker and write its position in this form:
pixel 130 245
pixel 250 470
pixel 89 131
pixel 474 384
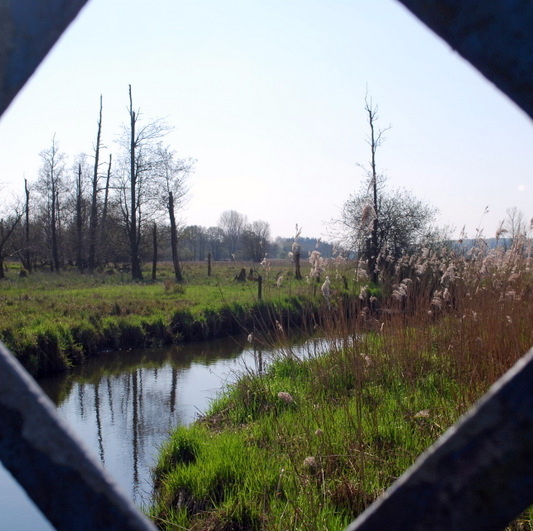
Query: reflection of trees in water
pixel 110 400
pixel 98 422
pixel 135 426
pixel 173 387
pixel 81 401
pixel 126 404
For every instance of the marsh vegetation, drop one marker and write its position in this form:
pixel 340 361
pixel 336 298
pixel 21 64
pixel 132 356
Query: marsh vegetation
pixel 313 441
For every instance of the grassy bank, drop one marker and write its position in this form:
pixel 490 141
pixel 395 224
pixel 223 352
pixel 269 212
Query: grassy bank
pixel 313 442
pixel 51 322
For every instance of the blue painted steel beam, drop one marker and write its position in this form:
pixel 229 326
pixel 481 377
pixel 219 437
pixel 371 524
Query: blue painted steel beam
pixel 71 489
pixel 480 475
pixel 28 30
pixel 495 36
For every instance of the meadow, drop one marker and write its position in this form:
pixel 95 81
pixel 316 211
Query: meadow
pixel 311 442
pixel 296 443
pixel 51 322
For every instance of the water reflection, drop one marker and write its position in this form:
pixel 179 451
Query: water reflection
pixel 123 405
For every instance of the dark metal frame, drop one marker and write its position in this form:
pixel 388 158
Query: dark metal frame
pixel 478 476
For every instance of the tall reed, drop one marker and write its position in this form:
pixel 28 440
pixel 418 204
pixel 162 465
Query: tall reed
pixel 321 436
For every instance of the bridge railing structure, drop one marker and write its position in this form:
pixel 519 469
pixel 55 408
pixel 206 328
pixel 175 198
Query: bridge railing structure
pixel 479 475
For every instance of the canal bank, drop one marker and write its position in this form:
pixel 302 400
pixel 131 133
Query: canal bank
pixel 125 407
pixel 57 347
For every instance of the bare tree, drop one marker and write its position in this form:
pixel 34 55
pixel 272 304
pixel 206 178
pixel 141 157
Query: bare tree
pixel 93 220
pixel 133 222
pixel 377 222
pixel 195 240
pixel 215 240
pixel 255 239
pixel 374 184
pixel 140 142
pixel 172 178
pixel 79 218
pixel 50 186
pixel 103 222
pixel 515 224
pixel 154 252
pixel 26 254
pixel 232 224
pixel 7 228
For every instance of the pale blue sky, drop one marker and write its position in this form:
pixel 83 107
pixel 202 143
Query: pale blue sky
pixel 269 98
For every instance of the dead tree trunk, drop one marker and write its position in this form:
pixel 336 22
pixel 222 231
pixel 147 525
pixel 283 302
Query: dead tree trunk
pixel 174 239
pixel 93 221
pixel 103 226
pixel 296 257
pixel 6 231
pixel 374 241
pixel 54 229
pixel 373 251
pixel 79 222
pixel 154 255
pixel 26 262
pixel 134 232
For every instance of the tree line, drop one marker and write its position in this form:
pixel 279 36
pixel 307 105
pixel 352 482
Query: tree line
pixel 121 208
pixel 102 207
pixel 234 238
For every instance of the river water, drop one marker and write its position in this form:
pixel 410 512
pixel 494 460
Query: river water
pixel 123 406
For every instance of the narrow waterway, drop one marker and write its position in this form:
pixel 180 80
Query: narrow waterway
pixel 124 404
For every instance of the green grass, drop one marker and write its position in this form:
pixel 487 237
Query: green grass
pixel 52 321
pixel 314 462
pixel 311 443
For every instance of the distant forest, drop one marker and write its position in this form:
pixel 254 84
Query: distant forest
pixel 196 242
